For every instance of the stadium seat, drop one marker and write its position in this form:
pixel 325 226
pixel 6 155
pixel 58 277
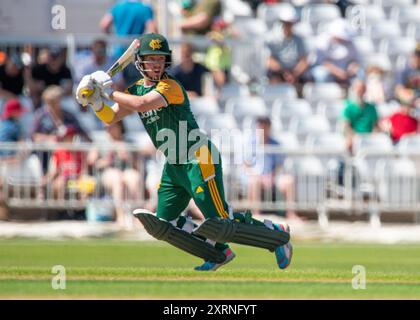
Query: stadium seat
pixel 204 106
pixel 286 139
pixel 220 121
pixel 310 181
pixel 232 90
pixel 315 13
pixel 386 109
pixel 332 148
pixel 249 27
pixel 314 92
pixel 303 29
pixel 365 15
pixel 246 106
pixel 326 142
pixel 283 91
pixel 284 110
pixel 377 142
pixel 366 163
pixel 413 31
pixel 397 183
pixel 405 15
pixel 303 127
pixel 269 12
pixel 383 30
pixel 364 45
pixel 331 110
pixel 378 59
pixel 409 144
pixel 394 47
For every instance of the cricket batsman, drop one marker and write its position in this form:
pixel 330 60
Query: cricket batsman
pixel 193 167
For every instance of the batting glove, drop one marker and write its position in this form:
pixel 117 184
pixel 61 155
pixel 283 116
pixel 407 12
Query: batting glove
pixel 84 90
pixel 102 80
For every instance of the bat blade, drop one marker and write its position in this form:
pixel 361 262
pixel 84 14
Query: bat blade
pixel 126 58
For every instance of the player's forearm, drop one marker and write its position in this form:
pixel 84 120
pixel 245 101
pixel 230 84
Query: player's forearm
pixel 131 102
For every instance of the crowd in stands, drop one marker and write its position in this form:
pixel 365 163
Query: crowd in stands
pixel 379 96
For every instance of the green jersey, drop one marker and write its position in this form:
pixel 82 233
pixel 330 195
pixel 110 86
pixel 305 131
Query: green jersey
pixel 362 119
pixel 172 128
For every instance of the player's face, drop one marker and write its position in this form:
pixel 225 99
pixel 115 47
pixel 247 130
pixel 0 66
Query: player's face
pixel 154 66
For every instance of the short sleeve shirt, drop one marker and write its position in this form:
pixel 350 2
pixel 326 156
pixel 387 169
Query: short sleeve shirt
pixel 361 119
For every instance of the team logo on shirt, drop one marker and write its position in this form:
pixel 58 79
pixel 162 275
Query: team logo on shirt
pixel 155 44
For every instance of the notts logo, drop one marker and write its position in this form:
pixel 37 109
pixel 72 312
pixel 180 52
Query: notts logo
pixel 155 44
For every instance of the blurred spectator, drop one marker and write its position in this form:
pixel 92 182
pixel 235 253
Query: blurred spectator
pixel 65 166
pixel 11 77
pixel 402 122
pixel 51 119
pixel 265 173
pixel 337 57
pixel 378 83
pixel 288 59
pixel 97 60
pixel 218 55
pixel 199 16
pixel 129 18
pixel 10 130
pixel 358 115
pixel 119 170
pixel 189 73
pixel 408 80
pixel 54 72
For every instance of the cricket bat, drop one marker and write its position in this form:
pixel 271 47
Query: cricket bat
pixel 126 58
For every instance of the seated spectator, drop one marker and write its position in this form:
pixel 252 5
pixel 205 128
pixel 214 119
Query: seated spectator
pixel 54 72
pixel 218 55
pixel 264 174
pixel 199 16
pixel 10 130
pixel 11 77
pixel 359 116
pixel 401 123
pixel 189 73
pixel 408 80
pixel 65 167
pixel 51 118
pixel 128 18
pixel 97 60
pixel 378 83
pixel 337 57
pixel 288 60
pixel 119 170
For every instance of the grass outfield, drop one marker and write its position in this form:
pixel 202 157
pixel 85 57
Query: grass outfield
pixel 154 270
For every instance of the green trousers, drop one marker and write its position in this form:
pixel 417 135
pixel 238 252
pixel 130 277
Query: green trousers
pixel 200 179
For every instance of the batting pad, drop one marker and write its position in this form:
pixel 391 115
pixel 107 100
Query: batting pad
pixel 163 230
pixel 226 230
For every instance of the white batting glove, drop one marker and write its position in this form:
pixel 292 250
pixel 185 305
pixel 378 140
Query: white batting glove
pixel 96 100
pixel 102 80
pixel 84 90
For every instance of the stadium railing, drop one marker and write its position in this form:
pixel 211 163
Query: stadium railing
pixel 324 181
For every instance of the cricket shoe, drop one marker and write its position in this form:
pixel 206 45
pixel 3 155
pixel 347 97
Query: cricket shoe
pixel 213 266
pixel 283 253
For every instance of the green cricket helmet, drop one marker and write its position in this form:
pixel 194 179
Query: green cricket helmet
pixel 152 44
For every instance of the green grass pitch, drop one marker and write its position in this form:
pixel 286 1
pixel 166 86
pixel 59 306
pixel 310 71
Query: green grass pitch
pixel 111 269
